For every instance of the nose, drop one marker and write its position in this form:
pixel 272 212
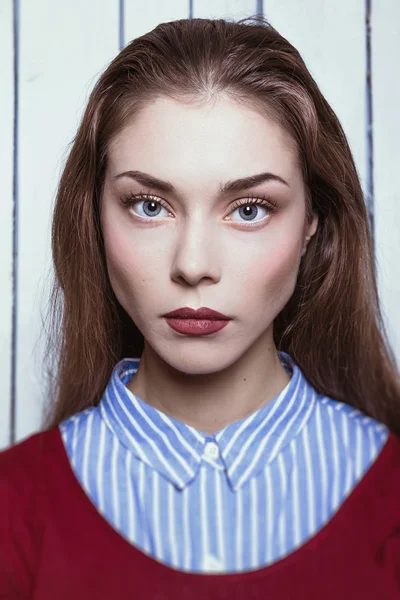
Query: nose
pixel 196 255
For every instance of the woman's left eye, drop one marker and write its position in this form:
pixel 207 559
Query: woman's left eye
pixel 247 208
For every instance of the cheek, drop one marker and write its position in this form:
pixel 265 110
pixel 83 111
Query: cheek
pixel 135 271
pixel 283 263
pixel 127 269
pixel 274 274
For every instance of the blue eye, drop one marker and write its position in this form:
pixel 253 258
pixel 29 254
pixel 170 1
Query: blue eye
pixel 151 208
pixel 248 207
pixel 150 205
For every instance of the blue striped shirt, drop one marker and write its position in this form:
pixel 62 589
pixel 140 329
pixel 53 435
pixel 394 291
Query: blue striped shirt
pixel 237 500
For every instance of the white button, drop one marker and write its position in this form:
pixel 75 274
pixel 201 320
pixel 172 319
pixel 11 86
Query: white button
pixel 211 450
pixel 212 563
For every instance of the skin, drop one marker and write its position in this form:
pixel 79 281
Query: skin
pixel 199 251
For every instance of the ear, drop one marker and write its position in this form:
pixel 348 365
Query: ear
pixel 312 227
pixel 309 231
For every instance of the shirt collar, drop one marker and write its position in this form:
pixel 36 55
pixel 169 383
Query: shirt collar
pixel 175 449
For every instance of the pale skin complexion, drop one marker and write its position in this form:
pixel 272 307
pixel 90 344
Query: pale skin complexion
pixel 199 250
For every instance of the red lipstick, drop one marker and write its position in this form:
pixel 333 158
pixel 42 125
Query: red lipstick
pixel 200 313
pixel 202 321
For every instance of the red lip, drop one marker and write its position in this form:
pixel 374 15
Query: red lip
pixel 200 313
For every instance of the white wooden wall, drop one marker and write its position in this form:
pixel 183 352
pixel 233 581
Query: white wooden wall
pixel 51 53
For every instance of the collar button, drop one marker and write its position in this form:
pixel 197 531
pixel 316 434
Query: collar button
pixel 211 450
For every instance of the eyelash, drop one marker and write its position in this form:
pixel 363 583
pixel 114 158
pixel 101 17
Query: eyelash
pixel 261 200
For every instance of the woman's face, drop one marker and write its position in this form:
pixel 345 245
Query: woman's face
pixel 198 249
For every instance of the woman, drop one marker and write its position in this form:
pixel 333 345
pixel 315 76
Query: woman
pixel 210 224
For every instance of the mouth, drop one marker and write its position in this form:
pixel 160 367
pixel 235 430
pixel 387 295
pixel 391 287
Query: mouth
pixel 203 314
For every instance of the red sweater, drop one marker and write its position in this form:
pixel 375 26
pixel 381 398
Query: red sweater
pixel 55 545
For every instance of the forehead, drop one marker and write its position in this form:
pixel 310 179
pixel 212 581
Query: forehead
pixel 203 142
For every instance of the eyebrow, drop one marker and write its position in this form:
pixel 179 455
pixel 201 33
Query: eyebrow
pixel 230 186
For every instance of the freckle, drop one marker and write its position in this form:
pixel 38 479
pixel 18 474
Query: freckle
pixel 245 379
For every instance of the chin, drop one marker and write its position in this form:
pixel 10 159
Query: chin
pixel 197 362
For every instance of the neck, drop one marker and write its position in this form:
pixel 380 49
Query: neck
pixel 212 401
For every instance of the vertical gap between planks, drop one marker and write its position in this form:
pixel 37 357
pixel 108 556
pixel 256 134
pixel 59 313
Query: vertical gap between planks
pixel 14 315
pixel 369 116
pixel 121 41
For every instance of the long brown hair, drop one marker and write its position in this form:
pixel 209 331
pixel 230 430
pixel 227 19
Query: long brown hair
pixel 332 325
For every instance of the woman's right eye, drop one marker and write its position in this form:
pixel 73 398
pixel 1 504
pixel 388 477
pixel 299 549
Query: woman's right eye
pixel 150 206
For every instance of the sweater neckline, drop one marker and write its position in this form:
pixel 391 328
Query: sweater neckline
pixel 271 569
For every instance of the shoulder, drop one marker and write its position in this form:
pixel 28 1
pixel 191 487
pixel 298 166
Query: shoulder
pixel 79 429
pixel 21 468
pixel 363 445
pixel 366 452
pixel 20 475
pixel 19 463
pixel 349 428
pixel 79 422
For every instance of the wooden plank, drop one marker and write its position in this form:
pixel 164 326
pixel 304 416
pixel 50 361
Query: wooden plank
pixel 223 9
pixel 63 50
pixel 6 213
pixel 330 37
pixel 385 45
pixel 141 17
